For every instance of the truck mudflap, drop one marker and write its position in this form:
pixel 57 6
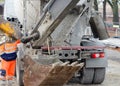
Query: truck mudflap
pixel 57 74
pixel 96 63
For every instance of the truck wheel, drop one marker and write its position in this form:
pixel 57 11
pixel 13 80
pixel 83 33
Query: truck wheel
pixel 99 75
pixel 87 75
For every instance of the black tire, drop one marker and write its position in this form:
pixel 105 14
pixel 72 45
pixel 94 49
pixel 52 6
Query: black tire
pixel 99 75
pixel 87 75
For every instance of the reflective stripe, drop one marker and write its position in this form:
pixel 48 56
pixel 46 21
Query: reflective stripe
pixel 11 47
pixel 9 51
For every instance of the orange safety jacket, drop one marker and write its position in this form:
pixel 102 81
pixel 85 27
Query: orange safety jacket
pixel 1 49
pixel 9 51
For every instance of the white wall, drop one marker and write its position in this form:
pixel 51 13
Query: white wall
pixel 13 9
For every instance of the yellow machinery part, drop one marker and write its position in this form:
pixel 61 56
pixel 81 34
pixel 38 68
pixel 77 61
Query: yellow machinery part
pixel 7 29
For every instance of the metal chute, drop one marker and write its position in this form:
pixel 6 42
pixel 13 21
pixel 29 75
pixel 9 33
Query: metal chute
pixel 98 27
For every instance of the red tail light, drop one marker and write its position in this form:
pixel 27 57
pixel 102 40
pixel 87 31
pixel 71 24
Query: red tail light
pixel 98 55
pixel 95 55
pixel 102 55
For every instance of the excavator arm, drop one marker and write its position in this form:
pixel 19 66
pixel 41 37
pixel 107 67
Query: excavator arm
pixel 53 14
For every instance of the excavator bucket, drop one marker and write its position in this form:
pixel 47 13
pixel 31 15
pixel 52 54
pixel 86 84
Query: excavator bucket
pixel 57 74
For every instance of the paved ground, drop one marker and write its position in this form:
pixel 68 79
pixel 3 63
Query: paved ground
pixel 113 70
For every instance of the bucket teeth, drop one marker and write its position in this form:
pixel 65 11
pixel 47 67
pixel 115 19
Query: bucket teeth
pixel 74 63
pixel 65 64
pixel 48 75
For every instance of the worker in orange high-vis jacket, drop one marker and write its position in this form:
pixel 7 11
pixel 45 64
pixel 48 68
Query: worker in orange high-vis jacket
pixel 8 53
pixel 8 49
pixel 2 71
